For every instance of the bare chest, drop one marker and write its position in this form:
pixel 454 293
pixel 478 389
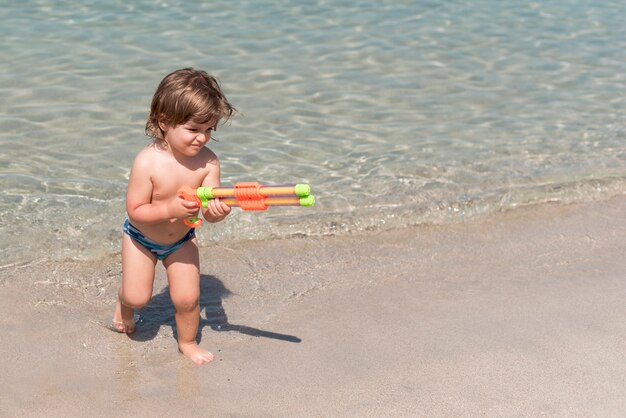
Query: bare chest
pixel 167 181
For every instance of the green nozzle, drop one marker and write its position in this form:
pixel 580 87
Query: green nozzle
pixel 307 201
pixel 302 190
pixel 205 194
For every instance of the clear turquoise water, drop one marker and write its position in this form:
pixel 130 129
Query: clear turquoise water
pixel 397 112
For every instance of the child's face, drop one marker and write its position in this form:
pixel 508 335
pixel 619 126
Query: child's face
pixel 188 138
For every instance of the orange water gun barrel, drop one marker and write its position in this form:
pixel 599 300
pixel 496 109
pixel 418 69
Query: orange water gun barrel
pixel 248 196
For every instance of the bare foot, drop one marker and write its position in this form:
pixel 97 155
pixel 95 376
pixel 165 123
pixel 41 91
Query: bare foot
pixel 195 353
pixel 123 319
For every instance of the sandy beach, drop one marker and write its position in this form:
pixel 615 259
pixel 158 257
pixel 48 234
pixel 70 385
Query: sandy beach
pixel 518 314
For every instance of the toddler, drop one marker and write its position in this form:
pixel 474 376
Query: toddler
pixel 186 108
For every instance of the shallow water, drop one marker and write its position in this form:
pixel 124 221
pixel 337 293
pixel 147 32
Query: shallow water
pixel 397 113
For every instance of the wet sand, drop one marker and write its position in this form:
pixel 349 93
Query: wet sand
pixel 520 314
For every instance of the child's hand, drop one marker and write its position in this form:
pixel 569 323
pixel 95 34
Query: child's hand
pixel 216 211
pixel 180 208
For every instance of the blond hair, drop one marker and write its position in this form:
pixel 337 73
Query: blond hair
pixel 186 95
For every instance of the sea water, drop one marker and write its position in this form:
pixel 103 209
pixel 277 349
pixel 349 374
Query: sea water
pixel 396 112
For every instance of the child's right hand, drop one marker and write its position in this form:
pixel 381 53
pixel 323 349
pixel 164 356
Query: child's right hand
pixel 180 208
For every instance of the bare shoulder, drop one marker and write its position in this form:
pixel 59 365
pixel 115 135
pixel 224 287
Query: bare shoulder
pixel 207 161
pixel 208 156
pixel 146 157
pixel 211 174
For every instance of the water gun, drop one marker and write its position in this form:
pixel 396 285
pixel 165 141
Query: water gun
pixel 248 196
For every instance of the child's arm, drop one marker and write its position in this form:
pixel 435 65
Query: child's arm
pixel 139 204
pixel 216 210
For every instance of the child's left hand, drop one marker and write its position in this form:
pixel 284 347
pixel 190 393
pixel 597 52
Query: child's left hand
pixel 216 211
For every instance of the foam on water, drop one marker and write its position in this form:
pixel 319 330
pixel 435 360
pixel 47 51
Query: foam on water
pixel 397 113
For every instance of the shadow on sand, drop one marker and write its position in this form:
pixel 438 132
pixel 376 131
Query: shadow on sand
pixel 160 311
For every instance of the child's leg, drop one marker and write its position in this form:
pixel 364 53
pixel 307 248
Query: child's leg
pixel 137 280
pixel 183 275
